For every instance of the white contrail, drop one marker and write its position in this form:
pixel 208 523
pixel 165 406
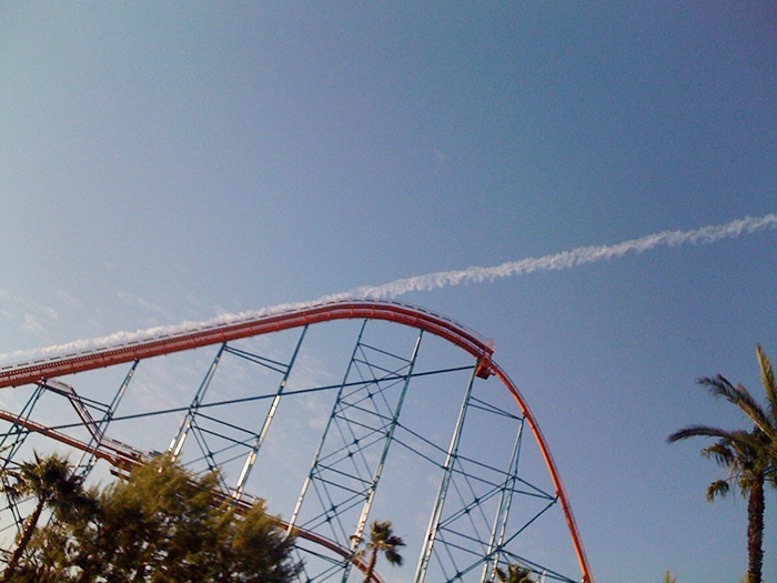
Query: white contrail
pixel 566 259
pixel 440 279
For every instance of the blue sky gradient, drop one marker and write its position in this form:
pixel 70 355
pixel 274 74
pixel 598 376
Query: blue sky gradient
pixel 162 163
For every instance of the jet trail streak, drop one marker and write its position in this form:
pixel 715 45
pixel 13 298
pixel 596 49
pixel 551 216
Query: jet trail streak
pixel 432 281
pixel 565 259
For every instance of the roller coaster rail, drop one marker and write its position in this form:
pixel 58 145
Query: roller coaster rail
pixel 43 371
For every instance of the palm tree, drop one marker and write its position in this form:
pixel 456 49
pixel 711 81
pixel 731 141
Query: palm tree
pixel 514 574
pixel 49 481
pixel 765 418
pixel 383 540
pixel 750 457
pixel 745 456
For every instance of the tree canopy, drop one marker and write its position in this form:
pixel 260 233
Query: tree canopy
pixel 514 574
pixel 160 525
pixel 382 540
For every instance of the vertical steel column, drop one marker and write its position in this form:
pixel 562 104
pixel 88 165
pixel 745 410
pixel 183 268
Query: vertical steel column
pixel 351 455
pixel 434 520
pixel 88 459
pixel 320 448
pixel 251 458
pixel 176 445
pixel 356 538
pixel 498 533
pixel 117 398
pixel 19 432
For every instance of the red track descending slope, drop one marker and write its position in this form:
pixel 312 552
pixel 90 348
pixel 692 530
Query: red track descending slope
pixel 26 373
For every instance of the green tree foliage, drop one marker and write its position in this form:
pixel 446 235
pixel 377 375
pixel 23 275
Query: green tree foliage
pixel 50 483
pixel 382 540
pixel 750 457
pixel 514 574
pixel 161 525
pixel 668 577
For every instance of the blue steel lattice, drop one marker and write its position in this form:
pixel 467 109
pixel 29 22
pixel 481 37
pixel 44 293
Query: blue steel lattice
pixel 481 507
pixel 348 463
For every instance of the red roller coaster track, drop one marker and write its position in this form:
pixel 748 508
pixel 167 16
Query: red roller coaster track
pixel 33 372
pixel 123 457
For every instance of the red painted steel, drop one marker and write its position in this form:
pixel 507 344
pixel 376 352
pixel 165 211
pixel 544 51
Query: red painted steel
pixel 25 373
pixel 404 314
pixel 125 458
pixel 552 470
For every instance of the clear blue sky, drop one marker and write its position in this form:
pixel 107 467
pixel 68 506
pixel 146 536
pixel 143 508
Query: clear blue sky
pixel 162 162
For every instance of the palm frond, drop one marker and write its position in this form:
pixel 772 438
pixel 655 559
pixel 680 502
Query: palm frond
pixel 721 452
pixel 749 457
pixel 767 380
pixel 394 558
pixel 717 488
pixel 698 431
pixel 395 541
pixel 720 387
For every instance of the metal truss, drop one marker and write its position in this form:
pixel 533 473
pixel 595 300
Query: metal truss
pixel 218 439
pixel 485 507
pixel 351 455
pixel 96 445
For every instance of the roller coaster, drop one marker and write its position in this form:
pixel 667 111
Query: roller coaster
pixel 350 410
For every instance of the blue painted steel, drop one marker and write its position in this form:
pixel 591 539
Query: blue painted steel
pixel 434 519
pixel 237 492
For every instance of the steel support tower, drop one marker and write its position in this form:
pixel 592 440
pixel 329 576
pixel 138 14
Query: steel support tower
pixel 338 414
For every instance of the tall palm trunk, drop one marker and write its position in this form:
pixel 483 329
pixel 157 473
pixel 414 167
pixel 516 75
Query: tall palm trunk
pixel 755 530
pixel 29 529
pixel 371 565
